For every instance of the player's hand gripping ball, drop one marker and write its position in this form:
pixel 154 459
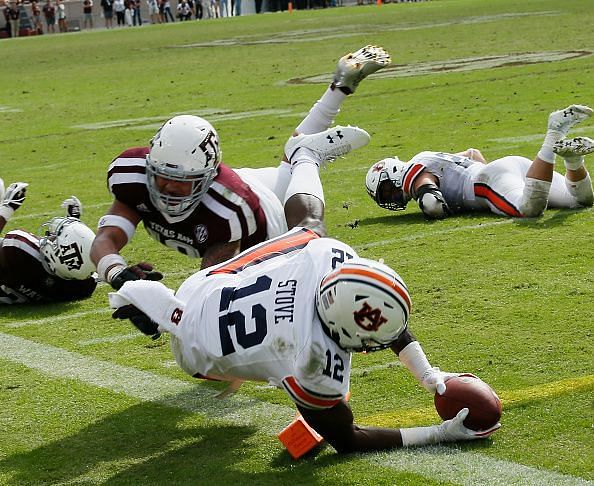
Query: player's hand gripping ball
pixel 468 391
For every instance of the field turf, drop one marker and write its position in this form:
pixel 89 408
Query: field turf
pixel 87 400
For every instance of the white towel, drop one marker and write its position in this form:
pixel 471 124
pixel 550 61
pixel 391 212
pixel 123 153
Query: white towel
pixel 154 299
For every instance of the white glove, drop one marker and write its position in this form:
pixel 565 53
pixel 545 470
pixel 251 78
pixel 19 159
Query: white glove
pixel 73 207
pixel 454 430
pixel 13 199
pixel 434 380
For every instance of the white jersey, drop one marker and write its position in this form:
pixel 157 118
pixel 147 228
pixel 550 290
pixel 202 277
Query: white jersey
pixel 254 318
pixel 456 174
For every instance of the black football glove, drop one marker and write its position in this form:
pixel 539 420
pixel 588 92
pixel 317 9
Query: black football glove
pixel 438 209
pixel 140 271
pixel 143 322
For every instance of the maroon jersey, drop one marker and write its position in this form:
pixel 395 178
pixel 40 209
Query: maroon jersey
pixel 229 211
pixel 23 278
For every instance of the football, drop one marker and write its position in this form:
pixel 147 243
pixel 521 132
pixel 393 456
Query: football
pixel 468 391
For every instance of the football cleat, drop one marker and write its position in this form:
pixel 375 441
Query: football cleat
pixel 577 146
pixel 356 66
pixel 561 121
pixel 329 144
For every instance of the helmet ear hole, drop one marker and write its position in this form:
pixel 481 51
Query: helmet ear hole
pixel 369 308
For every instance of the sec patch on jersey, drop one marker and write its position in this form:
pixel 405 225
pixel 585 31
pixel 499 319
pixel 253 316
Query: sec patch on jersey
pixel 468 391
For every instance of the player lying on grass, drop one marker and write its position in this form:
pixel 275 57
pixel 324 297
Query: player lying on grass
pixel 190 201
pixel 55 267
pixel 444 183
pixel 290 311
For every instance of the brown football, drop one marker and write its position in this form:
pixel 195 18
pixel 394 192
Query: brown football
pixel 468 391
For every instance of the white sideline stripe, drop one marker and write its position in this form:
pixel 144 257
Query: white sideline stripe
pixel 440 463
pixel 429 234
pixel 538 137
pixel 362 370
pixel 470 468
pixel 48 214
pixel 143 385
pixel 58 318
pixel 110 339
pixel 222 117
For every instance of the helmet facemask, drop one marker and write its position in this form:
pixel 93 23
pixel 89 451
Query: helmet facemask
pixel 185 149
pixel 384 184
pixel 177 205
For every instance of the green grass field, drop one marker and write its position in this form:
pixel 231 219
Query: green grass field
pixel 85 399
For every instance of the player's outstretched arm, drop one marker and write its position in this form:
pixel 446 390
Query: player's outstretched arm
pixel 337 427
pixel 114 231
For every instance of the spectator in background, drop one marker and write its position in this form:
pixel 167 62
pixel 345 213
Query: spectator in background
pixel 61 15
pixel 36 12
pixel 162 18
pixel 49 12
pixel 236 8
pixel 167 11
pixel 153 8
pixel 14 18
pixel 107 6
pixel 88 14
pixel 214 11
pixel 128 12
pixel 184 12
pixel 4 8
pixel 119 7
pixel 198 10
pixel 136 12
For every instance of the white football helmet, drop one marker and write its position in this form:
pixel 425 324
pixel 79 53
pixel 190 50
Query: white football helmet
pixel 363 305
pixel 384 183
pixel 185 149
pixel 65 247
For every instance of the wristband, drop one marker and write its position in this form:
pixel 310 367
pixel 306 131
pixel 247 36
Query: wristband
pixel 109 265
pixel 6 212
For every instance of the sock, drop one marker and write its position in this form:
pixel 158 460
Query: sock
pixel 306 176
pixel 573 162
pixel 546 153
pixel 322 114
pixel 282 180
pixel 581 190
